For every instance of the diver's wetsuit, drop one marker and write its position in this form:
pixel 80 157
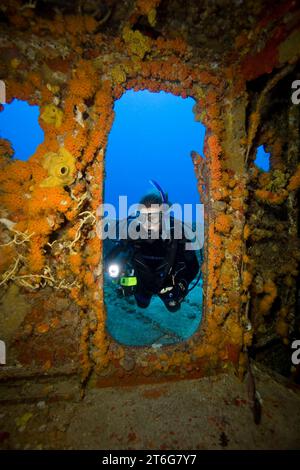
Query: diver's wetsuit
pixel 159 264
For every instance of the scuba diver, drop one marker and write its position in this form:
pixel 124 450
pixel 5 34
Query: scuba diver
pixel 153 265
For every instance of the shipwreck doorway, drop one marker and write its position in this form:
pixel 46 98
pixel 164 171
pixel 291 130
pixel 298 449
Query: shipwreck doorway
pixel 152 137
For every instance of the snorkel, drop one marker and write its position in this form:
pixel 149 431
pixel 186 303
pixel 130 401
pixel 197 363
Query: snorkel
pixel 164 196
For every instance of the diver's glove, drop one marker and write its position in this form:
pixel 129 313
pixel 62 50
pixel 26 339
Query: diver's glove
pixel 176 292
pixel 125 291
pixel 180 290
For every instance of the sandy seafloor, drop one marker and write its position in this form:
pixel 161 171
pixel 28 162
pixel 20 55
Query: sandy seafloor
pixel 131 325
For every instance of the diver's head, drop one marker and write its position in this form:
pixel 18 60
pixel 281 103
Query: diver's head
pixel 151 211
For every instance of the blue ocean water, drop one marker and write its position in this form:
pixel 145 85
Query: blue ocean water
pixel 152 137
pixel 262 160
pixel 19 124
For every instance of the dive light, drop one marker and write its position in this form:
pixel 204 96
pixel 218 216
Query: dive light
pixel 114 270
pixel 126 279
